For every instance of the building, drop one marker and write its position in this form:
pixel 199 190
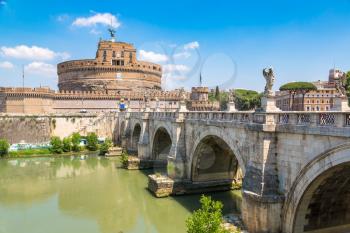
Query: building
pixel 114 68
pixel 320 100
pixel 45 100
pixel 115 77
pixel 199 100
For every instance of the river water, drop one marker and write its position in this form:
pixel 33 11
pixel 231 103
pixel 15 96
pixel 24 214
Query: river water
pixel 91 195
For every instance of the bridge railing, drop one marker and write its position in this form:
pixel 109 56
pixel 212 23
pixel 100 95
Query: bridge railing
pixel 336 119
pixel 332 119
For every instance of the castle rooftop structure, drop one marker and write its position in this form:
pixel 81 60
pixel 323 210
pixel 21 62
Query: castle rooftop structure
pixel 114 68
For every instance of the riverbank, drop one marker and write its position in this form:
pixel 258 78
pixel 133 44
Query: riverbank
pixel 44 152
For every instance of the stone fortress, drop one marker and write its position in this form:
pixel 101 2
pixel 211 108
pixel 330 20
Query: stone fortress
pixel 115 68
pixel 115 76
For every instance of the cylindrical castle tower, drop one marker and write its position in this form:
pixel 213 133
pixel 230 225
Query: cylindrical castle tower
pixel 115 68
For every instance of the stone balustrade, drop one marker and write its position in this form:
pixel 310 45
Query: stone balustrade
pixel 312 119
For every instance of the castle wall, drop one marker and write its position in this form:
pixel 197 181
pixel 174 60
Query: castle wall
pixel 40 128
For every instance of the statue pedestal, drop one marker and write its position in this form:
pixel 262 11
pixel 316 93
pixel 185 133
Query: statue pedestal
pixel 231 107
pixel 341 104
pixel 268 104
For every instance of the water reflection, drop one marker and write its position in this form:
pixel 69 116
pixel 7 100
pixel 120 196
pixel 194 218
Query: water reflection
pixel 89 192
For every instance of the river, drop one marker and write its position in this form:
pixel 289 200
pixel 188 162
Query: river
pixel 91 195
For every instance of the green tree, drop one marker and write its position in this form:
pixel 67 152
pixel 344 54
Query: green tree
pixel 105 146
pixel 56 145
pixel 67 144
pixel 247 99
pixel 4 147
pixel 92 142
pixel 347 84
pixel 217 93
pixel 76 142
pixel 207 219
pixel 297 87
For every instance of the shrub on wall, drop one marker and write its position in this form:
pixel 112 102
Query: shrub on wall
pixel 67 144
pixel 76 142
pixel 56 145
pixel 4 147
pixel 53 123
pixel 92 142
pixel 105 147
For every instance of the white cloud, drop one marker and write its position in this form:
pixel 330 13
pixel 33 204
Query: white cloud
pixel 41 68
pixel 98 18
pixel 182 55
pixel 169 68
pixel 191 45
pixel 6 65
pixel 32 53
pixel 152 56
pixel 174 75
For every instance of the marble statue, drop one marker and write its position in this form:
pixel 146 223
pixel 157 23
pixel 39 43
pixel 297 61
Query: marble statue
pixel 270 79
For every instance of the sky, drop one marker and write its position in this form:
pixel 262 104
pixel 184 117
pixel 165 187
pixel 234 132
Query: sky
pixel 227 42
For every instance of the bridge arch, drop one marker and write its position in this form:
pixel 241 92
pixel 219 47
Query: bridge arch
pixel 220 140
pixel 161 144
pixel 135 137
pixel 319 199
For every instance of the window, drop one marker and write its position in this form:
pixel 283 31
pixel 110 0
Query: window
pixel 122 62
pixel 113 54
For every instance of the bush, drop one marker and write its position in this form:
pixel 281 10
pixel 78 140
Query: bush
pixel 4 147
pixel 207 219
pixel 124 158
pixel 56 145
pixel 67 144
pixel 92 142
pixel 75 142
pixel 105 147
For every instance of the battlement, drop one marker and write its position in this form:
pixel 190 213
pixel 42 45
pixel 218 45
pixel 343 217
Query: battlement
pixel 200 89
pixel 19 91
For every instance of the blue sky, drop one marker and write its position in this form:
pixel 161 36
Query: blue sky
pixel 230 42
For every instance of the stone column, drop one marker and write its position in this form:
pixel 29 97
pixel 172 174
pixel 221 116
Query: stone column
pixel 143 145
pixel 261 200
pixel 268 104
pixel 231 107
pixel 176 159
pixel 126 134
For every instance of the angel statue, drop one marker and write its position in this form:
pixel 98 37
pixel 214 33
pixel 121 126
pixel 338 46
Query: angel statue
pixel 183 94
pixel 340 84
pixel 232 96
pixel 270 79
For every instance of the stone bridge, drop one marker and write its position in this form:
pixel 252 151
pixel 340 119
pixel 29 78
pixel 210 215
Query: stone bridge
pixel 295 165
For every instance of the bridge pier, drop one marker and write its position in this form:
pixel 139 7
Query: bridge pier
pixel 262 214
pixel 261 200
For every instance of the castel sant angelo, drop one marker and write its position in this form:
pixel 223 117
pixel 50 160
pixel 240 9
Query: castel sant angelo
pixel 113 77
pixel 115 68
